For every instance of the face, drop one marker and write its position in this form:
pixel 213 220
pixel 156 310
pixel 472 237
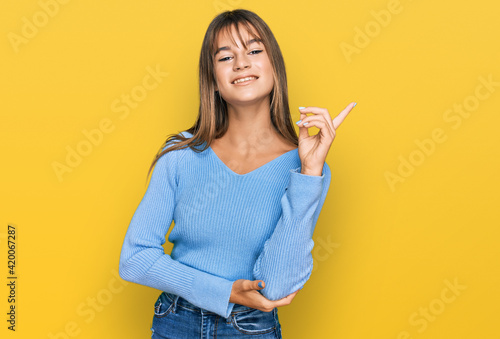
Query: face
pixel 244 75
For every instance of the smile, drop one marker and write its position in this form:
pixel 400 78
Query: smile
pixel 244 80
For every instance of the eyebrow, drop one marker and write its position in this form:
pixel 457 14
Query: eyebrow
pixel 225 48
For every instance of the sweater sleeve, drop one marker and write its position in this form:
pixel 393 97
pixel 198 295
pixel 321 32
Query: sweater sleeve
pixel 285 263
pixel 143 260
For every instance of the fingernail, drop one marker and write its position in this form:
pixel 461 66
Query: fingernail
pixel 260 284
pixel 305 123
pixel 298 122
pixel 355 104
pixel 301 107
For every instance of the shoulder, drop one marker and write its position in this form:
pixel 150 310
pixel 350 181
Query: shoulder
pixel 170 158
pixel 171 142
pixel 176 139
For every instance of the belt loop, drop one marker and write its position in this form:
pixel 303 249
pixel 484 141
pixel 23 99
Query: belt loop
pixel 175 303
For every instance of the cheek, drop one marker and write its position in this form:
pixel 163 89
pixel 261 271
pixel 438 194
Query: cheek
pixel 217 73
pixel 268 69
pixel 270 76
pixel 221 76
pixel 218 70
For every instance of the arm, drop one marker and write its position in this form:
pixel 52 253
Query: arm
pixel 285 262
pixel 143 260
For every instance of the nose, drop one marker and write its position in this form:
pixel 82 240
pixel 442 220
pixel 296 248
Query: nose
pixel 241 62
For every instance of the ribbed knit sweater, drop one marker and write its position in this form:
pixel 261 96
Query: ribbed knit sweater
pixel 227 226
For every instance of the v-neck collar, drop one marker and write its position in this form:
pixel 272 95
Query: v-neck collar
pixel 254 170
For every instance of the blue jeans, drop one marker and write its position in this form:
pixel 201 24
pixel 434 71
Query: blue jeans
pixel 176 318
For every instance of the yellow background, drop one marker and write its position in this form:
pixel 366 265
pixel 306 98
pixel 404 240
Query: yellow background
pixel 384 253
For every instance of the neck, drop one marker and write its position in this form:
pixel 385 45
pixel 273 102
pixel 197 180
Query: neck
pixel 250 126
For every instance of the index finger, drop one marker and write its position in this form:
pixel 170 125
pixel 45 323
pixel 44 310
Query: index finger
pixel 340 118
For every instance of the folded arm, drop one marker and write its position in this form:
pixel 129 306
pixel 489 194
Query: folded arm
pixel 285 262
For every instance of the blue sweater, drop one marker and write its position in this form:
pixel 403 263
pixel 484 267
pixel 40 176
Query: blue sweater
pixel 227 226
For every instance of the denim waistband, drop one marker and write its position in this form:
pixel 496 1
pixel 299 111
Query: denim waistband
pixel 181 302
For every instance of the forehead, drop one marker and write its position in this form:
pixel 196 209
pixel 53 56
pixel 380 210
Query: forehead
pixel 236 36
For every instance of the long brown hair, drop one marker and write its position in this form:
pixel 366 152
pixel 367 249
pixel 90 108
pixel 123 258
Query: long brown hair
pixel 212 120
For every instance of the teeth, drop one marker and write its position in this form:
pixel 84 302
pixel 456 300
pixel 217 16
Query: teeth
pixel 244 79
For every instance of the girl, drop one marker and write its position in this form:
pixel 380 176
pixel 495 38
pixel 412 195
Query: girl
pixel 245 193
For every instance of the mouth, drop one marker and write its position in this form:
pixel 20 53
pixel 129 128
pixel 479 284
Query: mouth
pixel 244 79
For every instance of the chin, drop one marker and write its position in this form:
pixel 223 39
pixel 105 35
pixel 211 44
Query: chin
pixel 245 101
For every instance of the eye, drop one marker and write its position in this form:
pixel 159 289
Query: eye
pixel 224 59
pixel 257 51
